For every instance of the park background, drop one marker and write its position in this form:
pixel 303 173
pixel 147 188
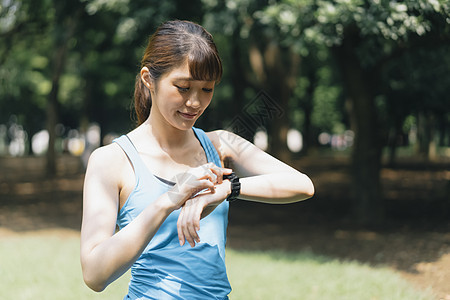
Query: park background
pixel 353 93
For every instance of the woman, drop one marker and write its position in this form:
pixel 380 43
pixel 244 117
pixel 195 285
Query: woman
pixel 166 182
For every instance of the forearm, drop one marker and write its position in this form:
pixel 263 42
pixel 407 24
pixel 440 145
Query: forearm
pixel 276 188
pixel 112 257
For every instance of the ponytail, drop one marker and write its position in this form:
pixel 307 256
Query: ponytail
pixel 142 100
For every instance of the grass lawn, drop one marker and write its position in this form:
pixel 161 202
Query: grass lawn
pixel 46 266
pixel 305 276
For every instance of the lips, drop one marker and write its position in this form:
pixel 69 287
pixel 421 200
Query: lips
pixel 188 115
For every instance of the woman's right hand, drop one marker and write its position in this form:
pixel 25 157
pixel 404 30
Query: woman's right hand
pixel 193 181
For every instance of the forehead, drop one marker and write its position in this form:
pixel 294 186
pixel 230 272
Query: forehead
pixel 182 73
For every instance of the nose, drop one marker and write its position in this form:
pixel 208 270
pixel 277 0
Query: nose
pixel 193 101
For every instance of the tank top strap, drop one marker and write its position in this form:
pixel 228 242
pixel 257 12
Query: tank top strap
pixel 138 165
pixel 127 146
pixel 210 150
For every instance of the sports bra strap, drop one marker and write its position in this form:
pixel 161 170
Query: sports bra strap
pixel 136 161
pixel 140 168
pixel 210 150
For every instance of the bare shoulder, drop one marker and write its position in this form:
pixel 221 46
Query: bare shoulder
pixel 107 161
pixel 228 144
pixel 219 139
pixel 103 156
pixel 214 136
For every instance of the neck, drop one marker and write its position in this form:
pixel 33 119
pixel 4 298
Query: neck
pixel 167 136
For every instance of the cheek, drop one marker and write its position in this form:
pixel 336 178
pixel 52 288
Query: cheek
pixel 207 99
pixel 173 98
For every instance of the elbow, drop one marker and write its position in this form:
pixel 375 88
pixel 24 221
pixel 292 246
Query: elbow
pixel 310 191
pixel 92 281
pixel 302 189
pixel 307 191
pixel 94 285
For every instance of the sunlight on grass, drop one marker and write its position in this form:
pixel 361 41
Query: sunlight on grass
pixel 47 267
pixel 305 276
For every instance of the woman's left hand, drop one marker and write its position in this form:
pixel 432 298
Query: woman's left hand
pixel 197 208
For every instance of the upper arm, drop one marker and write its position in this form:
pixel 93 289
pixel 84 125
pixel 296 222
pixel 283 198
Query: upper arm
pixel 100 197
pixel 244 157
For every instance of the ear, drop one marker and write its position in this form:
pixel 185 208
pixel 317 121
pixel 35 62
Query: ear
pixel 146 78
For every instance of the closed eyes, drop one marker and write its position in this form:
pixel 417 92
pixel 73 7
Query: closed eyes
pixel 186 89
pixel 182 89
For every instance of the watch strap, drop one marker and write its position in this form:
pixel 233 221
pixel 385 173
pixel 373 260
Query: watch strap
pixel 235 186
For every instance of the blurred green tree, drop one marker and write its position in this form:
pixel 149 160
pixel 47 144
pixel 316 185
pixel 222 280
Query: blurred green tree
pixel 363 37
pixel 416 86
pixel 75 61
pixel 376 65
pixel 25 83
pixel 260 60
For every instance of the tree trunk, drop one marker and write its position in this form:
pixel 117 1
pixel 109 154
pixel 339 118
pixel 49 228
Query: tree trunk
pixel 239 83
pixel 52 107
pixel 276 69
pixel 432 140
pixel 278 142
pixel 308 137
pixel 393 140
pixel 62 32
pixel 366 157
pixel 422 135
pixel 427 137
pixel 279 126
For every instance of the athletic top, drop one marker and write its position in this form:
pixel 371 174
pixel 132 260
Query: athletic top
pixel 166 270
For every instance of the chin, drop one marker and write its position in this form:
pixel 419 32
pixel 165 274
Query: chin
pixel 184 126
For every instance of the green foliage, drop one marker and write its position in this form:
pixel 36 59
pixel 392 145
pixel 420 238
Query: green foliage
pixel 381 24
pixel 24 80
pixel 108 39
pixel 103 56
pixel 325 21
pixel 327 115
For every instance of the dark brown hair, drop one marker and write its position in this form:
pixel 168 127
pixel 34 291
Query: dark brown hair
pixel 171 44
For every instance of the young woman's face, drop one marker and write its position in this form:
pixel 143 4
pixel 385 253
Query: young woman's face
pixel 179 99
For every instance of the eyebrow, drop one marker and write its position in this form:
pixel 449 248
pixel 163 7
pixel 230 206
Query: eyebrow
pixel 189 79
pixel 184 78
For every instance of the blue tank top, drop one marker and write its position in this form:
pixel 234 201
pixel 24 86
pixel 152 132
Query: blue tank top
pixel 166 270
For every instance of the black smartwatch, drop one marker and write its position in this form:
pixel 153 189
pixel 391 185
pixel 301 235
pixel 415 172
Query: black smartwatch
pixel 235 186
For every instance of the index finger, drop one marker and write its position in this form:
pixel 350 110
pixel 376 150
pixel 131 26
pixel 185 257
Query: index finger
pixel 219 172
